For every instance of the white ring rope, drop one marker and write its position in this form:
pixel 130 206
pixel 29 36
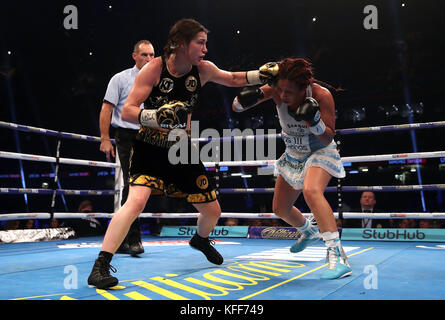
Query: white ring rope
pixel 33 157
pixel 348 131
pixel 58 191
pixel 374 129
pixel 371 158
pixel 241 215
pixel 49 132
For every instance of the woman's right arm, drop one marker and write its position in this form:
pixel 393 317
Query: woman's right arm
pixel 250 97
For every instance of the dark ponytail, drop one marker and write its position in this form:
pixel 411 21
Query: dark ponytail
pixel 328 86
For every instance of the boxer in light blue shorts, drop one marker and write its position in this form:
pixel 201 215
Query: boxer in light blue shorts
pixel 306 111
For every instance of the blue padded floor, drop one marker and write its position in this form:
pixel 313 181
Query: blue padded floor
pixel 254 269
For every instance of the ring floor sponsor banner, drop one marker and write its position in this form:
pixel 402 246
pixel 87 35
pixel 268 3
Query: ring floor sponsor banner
pixel 273 233
pixel 383 234
pixel 218 231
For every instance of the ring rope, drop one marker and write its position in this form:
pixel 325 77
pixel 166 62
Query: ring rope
pixel 34 157
pixel 59 191
pixel 370 158
pixel 390 128
pixel 386 128
pixel 348 131
pixel 426 187
pixel 242 215
pixel 62 134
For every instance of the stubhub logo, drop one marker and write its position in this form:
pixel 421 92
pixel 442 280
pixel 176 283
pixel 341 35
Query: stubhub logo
pixel 190 231
pixel 218 231
pixel 393 234
pixel 380 234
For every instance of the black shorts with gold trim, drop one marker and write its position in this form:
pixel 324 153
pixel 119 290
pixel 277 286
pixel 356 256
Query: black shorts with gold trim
pixel 150 167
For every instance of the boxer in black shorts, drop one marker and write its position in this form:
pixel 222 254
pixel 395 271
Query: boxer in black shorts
pixel 187 181
pixel 169 86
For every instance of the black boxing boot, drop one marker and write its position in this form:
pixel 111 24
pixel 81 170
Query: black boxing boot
pixel 206 246
pixel 132 243
pixel 134 239
pixel 135 243
pixel 100 275
pixel 124 247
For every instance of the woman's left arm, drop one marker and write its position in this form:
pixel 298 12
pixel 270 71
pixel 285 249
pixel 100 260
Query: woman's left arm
pixel 327 111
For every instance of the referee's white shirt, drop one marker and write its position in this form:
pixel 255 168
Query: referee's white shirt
pixel 117 93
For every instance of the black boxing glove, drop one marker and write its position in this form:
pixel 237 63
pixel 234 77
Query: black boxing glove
pixel 172 115
pixel 247 98
pixel 309 111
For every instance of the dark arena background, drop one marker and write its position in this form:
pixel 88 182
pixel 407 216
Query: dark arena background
pixel 384 57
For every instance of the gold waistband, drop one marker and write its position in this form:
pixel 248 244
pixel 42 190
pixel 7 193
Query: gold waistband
pixel 156 137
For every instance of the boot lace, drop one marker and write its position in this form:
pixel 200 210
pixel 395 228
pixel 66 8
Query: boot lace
pixel 331 258
pixel 105 269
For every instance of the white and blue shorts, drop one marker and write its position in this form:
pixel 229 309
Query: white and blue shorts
pixel 292 166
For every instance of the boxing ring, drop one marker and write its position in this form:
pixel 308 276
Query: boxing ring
pixel 253 269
